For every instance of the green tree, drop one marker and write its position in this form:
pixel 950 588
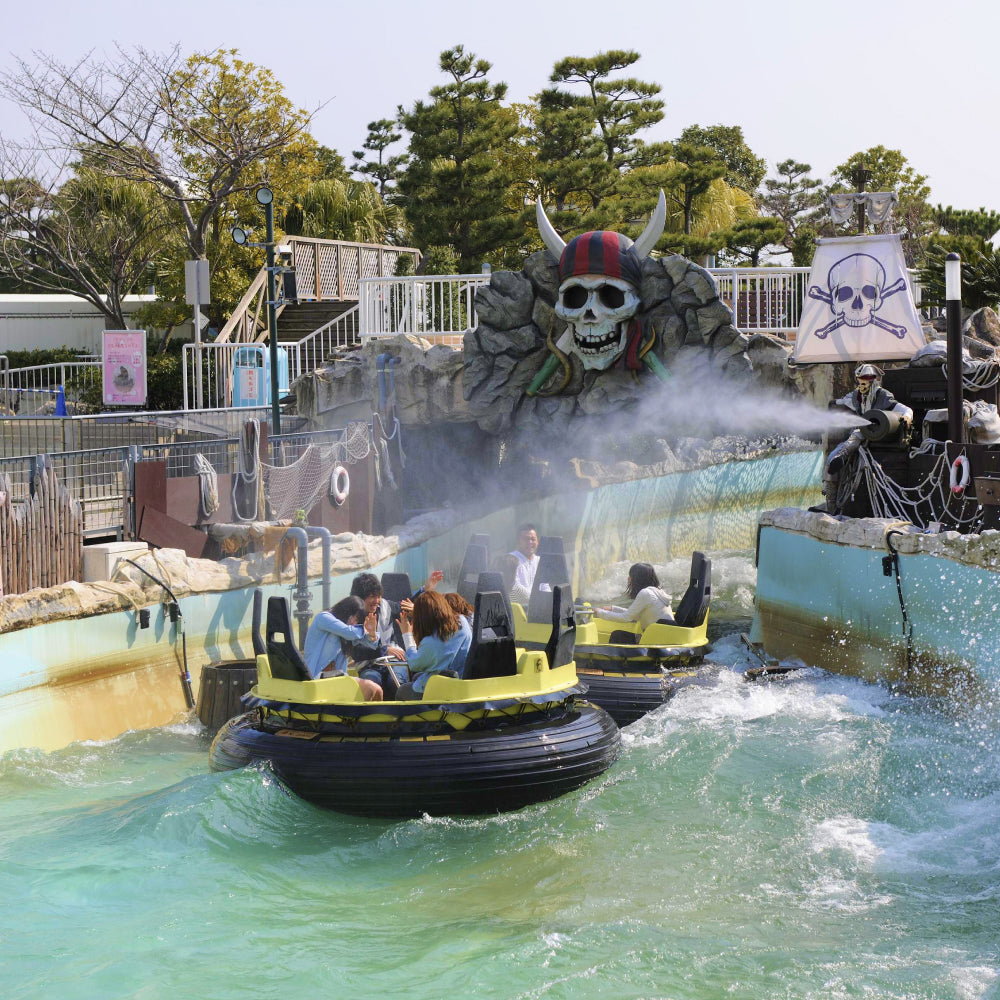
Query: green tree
pixel 689 176
pixel 744 169
pixel 455 185
pixel 796 199
pixel 745 242
pixel 588 135
pixel 889 170
pixel 92 236
pixel 383 170
pixel 334 209
pixel 967 222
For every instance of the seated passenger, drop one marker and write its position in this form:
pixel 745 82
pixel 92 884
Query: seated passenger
pixel 508 566
pixel 461 607
pixel 368 587
pixel 330 632
pixel 649 603
pixel 436 640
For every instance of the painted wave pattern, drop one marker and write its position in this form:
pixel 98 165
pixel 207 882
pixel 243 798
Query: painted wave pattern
pixel 809 837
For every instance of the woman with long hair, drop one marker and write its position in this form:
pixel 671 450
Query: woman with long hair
pixel 330 635
pixel 649 604
pixel 435 639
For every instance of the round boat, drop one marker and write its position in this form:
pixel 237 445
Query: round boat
pixel 514 730
pixel 640 670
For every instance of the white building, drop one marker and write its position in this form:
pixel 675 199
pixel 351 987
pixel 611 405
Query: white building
pixel 48 321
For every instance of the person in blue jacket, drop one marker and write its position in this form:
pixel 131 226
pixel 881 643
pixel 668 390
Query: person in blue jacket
pixel 436 640
pixel 329 633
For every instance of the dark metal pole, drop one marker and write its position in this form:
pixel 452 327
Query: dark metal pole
pixel 861 176
pixel 272 320
pixel 953 307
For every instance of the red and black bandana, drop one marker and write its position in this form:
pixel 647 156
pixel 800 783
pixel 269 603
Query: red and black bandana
pixel 600 252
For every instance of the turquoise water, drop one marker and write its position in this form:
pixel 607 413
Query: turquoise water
pixel 809 837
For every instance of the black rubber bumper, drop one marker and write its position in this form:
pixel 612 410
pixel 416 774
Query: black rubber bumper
pixel 462 773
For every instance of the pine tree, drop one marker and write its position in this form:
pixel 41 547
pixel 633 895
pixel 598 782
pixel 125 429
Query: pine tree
pixel 383 170
pixel 796 199
pixel 455 183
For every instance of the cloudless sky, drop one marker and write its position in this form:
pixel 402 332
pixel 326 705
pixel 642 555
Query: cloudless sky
pixel 815 82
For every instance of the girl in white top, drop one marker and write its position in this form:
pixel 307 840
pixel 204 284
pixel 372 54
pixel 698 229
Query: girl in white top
pixel 649 603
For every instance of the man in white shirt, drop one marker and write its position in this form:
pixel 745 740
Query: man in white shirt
pixel 525 554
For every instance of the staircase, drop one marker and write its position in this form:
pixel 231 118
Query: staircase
pixel 320 329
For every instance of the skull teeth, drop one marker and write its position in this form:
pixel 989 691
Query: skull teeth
pixel 595 345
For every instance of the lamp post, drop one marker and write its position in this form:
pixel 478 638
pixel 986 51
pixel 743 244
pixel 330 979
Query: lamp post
pixel 265 197
pixel 953 314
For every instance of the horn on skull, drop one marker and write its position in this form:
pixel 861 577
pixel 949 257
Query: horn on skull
pixel 555 243
pixel 653 231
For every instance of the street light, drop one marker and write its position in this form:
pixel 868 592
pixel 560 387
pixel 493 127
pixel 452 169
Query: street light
pixel 265 197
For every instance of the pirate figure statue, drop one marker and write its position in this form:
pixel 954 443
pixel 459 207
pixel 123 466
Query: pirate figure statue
pixel 868 394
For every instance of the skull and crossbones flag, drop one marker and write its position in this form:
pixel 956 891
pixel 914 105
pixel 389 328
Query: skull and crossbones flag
pixel 859 304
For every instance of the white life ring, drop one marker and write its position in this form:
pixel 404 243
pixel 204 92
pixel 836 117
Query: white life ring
pixel 959 479
pixel 340 485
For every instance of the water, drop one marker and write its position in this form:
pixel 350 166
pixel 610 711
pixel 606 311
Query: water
pixel 813 836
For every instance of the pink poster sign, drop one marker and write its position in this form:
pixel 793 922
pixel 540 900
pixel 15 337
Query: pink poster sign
pixel 124 367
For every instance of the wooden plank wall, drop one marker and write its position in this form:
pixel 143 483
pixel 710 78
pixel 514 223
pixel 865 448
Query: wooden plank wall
pixel 41 540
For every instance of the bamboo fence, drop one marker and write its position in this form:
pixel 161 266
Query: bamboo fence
pixel 41 538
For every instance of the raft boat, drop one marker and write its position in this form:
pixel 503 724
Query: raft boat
pixel 513 731
pixel 627 679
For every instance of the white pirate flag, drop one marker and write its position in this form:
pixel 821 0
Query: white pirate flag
pixel 859 304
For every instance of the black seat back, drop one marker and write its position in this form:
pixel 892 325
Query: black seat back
pixel 283 655
pixel 259 648
pixel 694 604
pixel 494 581
pixel 396 587
pixel 475 561
pixel 492 652
pixel 553 571
pixel 562 644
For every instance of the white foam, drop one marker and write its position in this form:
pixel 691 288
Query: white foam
pixel 848 834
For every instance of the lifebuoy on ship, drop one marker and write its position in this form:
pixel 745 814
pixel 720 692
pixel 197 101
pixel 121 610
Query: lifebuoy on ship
pixel 340 485
pixel 959 476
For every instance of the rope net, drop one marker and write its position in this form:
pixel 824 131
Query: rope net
pixel 301 484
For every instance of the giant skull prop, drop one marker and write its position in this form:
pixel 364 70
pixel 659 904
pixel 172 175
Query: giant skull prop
pixel 600 274
pixel 856 286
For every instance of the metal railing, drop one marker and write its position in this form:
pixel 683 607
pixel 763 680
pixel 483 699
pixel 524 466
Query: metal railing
pixel 763 299
pixel 24 437
pixel 234 375
pixel 438 306
pixel 98 477
pixel 770 299
pixel 325 271
pixel 27 390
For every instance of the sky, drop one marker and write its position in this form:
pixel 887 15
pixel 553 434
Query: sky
pixel 813 82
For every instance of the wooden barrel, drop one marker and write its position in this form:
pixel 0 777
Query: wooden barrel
pixel 222 685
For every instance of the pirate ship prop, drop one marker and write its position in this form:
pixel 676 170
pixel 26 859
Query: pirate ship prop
pixel 896 579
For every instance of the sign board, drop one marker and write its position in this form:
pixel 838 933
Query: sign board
pixel 124 367
pixel 859 304
pixel 197 291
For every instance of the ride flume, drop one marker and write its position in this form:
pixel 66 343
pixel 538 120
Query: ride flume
pixel 629 670
pixel 514 730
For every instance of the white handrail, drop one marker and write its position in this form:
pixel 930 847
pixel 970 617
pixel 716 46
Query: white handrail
pixel 425 305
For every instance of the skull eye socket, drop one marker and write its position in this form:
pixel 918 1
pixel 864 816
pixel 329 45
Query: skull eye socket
pixel 869 291
pixel 575 297
pixel 843 294
pixel 611 297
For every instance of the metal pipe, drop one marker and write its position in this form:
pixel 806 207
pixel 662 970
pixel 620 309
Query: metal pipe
pixel 324 533
pixel 953 305
pixel 300 593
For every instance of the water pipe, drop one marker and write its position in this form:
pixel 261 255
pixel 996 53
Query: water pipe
pixel 300 592
pixel 324 534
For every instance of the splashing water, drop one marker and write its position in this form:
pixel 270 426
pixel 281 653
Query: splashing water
pixel 814 836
